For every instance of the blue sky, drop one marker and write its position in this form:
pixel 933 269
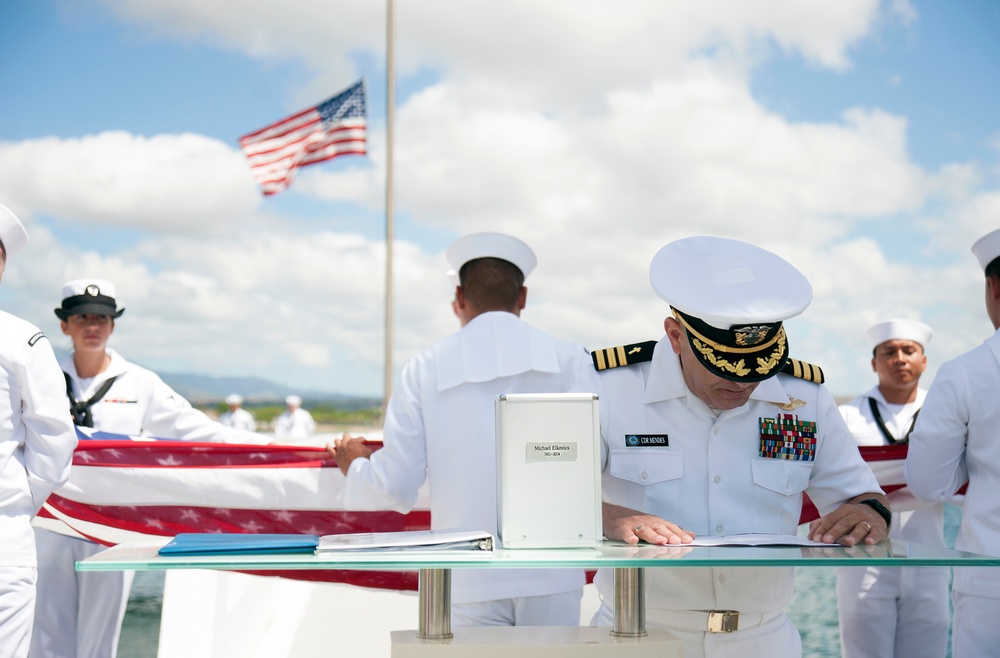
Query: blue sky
pixel 859 140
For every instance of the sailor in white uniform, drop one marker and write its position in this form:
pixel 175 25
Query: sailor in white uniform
pixel 713 430
pixel 895 612
pixel 440 427
pixel 294 422
pixel 80 613
pixel 957 439
pixel 236 416
pixel 36 447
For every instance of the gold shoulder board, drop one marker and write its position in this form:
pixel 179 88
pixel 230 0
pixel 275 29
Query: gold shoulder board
pixel 623 355
pixel 803 370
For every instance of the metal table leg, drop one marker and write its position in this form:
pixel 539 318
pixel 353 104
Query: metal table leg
pixel 630 602
pixel 434 589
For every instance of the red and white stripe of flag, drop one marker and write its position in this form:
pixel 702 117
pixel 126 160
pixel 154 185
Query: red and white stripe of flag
pixel 278 150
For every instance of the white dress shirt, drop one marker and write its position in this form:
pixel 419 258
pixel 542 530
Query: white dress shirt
pixel 440 428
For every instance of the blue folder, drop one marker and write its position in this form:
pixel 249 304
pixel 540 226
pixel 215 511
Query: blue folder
pixel 197 543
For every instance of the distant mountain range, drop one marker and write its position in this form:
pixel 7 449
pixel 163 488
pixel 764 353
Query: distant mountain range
pixel 204 389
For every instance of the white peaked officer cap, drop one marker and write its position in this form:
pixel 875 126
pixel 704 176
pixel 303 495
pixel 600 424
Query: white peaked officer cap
pixel 986 248
pixel 899 329
pixel 293 400
pixel 235 398
pixel 731 297
pixel 12 233
pixel 88 297
pixel 491 245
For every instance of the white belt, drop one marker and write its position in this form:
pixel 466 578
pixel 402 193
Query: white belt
pixel 709 621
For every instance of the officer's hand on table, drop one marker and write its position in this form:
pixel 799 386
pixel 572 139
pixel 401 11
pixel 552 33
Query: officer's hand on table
pixel 630 526
pixel 346 449
pixel 850 524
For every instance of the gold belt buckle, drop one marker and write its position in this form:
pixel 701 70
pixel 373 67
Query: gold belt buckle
pixel 723 621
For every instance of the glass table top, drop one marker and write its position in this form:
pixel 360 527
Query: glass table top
pixel 610 554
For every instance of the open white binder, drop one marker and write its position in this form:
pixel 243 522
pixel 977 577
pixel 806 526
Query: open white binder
pixel 548 470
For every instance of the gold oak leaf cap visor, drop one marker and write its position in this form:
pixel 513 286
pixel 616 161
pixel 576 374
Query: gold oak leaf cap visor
pixel 732 298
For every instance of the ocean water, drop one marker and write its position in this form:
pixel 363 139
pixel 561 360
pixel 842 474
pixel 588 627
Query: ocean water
pixel 813 608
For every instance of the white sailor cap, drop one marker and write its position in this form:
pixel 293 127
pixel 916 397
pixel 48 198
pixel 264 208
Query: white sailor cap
pixel 293 401
pixel 987 248
pixel 235 398
pixel 491 245
pixel 899 329
pixel 88 297
pixel 12 233
pixel 731 297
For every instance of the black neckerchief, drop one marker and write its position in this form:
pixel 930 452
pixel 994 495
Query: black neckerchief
pixel 881 425
pixel 80 409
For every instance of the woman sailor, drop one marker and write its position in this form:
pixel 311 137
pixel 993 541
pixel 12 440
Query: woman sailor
pixel 80 614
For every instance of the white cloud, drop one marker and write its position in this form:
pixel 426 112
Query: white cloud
pixel 596 132
pixel 171 183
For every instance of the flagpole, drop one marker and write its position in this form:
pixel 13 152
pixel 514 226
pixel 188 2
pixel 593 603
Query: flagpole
pixel 389 201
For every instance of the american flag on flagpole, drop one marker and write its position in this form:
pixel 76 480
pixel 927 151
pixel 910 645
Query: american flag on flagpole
pixel 334 127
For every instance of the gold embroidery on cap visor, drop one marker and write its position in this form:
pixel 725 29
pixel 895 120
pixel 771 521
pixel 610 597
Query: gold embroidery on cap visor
pixel 713 355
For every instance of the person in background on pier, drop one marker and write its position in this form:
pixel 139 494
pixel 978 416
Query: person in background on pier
pixel 37 440
pixel 440 428
pixel 713 430
pixel 957 440
pixel 237 417
pixel 294 422
pixel 894 612
pixel 80 613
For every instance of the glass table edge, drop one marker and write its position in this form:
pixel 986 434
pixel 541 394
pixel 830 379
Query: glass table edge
pixel 142 556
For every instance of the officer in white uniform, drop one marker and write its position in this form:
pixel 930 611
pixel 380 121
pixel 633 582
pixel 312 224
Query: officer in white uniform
pixel 80 614
pixel 713 430
pixel 885 611
pixel 957 439
pixel 36 447
pixel 440 427
pixel 294 422
pixel 237 417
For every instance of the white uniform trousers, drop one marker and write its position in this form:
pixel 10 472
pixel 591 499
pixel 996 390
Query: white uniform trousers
pixel 975 628
pixel 547 610
pixel 78 614
pixel 17 610
pixel 911 600
pixel 769 635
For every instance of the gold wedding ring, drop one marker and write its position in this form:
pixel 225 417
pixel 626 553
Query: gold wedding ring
pixel 868 526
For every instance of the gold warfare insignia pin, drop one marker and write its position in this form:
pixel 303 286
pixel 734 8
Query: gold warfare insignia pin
pixel 751 335
pixel 791 405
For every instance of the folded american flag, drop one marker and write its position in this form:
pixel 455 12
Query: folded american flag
pixel 124 490
pixel 886 463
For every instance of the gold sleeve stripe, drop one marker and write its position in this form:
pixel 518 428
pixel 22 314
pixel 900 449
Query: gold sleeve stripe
pixel 623 355
pixel 804 370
